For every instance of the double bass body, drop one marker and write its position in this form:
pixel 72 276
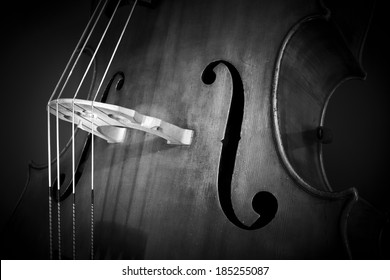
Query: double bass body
pixel 251 79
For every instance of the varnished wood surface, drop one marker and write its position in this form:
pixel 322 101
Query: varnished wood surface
pixel 303 84
pixel 156 201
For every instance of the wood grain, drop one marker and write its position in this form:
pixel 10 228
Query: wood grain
pixel 158 201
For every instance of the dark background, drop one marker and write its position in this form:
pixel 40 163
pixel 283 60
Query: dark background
pixel 38 38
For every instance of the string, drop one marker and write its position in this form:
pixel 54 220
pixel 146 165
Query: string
pixel 79 55
pixel 73 118
pixel 92 183
pixel 73 189
pixel 92 223
pixel 57 131
pixel 73 124
pixel 76 50
pixel 73 112
pixel 95 52
pixel 116 48
pixel 58 184
pixel 50 187
pixel 93 123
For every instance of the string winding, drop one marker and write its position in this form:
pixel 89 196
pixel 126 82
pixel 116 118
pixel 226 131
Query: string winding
pixel 58 92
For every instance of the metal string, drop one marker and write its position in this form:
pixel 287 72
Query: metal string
pixel 73 145
pixel 74 226
pixel 90 64
pixel 50 226
pixel 73 132
pixel 73 125
pixel 116 48
pixel 57 134
pixel 58 184
pixel 93 124
pixel 73 189
pixel 50 187
pixel 83 47
pixel 73 112
pixel 95 52
pixel 92 223
pixel 77 49
pixel 92 177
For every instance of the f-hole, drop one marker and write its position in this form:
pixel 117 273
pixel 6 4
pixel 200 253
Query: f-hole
pixel 66 190
pixel 263 203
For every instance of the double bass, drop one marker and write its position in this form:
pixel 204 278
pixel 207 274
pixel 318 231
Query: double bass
pixel 196 133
